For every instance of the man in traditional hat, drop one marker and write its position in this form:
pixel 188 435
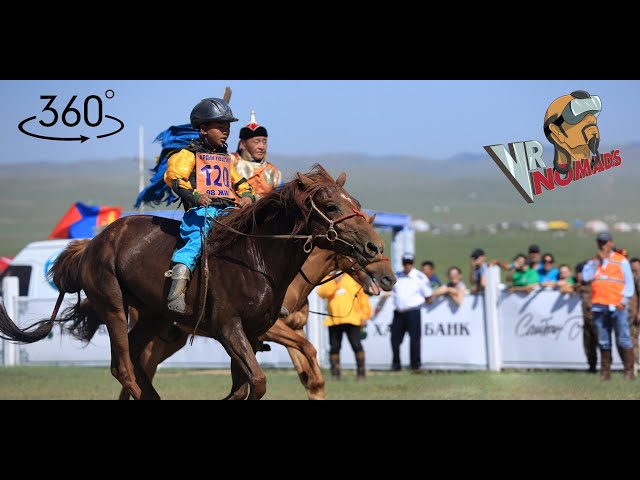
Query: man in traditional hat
pixel 571 125
pixel 251 159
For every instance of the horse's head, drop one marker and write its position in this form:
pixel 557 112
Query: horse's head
pixel 375 276
pixel 335 216
pixel 372 277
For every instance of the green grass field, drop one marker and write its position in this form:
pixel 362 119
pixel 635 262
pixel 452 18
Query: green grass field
pixel 97 383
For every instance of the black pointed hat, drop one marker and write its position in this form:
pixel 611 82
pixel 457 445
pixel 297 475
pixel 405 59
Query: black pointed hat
pixel 252 129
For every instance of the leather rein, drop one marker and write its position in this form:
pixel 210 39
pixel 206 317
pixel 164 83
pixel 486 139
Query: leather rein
pixel 331 235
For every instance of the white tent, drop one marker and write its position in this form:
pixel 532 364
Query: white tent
pixel 596 226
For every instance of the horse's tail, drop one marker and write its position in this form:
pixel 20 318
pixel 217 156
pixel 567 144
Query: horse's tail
pixel 65 271
pixel 84 320
pixel 10 331
pixel 66 276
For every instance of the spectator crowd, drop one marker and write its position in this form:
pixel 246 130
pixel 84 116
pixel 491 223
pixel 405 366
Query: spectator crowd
pixel 608 283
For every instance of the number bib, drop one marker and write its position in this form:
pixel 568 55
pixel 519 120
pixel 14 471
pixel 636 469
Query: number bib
pixel 212 174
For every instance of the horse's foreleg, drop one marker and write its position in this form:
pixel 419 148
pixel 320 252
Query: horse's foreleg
pixel 241 350
pixel 157 351
pixel 161 348
pixel 315 386
pixel 303 355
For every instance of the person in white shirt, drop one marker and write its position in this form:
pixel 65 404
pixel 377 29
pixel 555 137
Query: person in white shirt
pixel 410 293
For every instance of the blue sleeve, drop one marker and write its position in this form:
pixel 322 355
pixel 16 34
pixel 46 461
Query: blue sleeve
pixel 589 271
pixel 629 286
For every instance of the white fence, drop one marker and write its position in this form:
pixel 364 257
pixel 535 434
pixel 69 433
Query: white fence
pixel 486 332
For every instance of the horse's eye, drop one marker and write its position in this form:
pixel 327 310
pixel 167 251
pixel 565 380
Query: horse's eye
pixel 331 208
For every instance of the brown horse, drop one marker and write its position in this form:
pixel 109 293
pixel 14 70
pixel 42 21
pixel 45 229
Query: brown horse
pixel 252 258
pixel 288 332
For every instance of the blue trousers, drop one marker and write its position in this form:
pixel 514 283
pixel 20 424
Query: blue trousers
pixel 605 320
pixel 194 225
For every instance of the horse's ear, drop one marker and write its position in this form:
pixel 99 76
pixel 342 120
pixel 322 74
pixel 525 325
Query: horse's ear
pixel 306 181
pixel 372 218
pixel 342 179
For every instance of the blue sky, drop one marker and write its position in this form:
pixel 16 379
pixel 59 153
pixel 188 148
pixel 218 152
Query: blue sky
pixel 434 119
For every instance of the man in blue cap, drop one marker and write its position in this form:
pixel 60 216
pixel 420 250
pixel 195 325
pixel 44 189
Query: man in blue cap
pixel 478 271
pixel 410 293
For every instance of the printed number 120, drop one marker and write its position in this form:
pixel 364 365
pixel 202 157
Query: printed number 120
pixel 221 172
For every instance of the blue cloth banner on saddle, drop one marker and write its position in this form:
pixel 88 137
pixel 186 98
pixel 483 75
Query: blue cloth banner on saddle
pixel 172 139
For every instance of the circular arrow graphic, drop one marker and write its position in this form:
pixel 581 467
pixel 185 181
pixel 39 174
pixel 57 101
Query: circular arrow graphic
pixel 112 133
pixel 80 139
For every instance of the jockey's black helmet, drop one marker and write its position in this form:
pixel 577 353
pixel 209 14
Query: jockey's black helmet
pixel 211 110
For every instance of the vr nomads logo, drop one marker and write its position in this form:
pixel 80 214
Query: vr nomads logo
pixel 571 125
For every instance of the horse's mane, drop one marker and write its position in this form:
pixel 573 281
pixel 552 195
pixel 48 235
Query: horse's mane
pixel 292 197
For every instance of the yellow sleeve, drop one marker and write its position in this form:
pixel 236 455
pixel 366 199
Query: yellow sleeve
pixel 364 306
pixel 328 290
pixel 240 184
pixel 179 166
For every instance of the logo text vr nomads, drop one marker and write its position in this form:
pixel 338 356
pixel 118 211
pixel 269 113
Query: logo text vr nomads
pixel 570 124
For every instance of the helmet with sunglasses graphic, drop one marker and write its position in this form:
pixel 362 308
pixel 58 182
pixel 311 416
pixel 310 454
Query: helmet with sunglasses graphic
pixel 570 124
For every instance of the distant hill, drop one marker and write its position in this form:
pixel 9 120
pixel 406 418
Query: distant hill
pixel 33 197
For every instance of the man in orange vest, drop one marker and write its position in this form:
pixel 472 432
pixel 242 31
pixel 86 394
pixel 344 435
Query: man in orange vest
pixel 251 159
pixel 611 288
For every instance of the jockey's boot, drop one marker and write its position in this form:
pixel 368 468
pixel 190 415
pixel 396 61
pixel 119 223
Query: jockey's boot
pixel 334 360
pixel 360 375
pixel 605 364
pixel 628 361
pixel 180 276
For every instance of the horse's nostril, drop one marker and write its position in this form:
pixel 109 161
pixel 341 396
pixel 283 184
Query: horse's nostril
pixel 372 247
pixel 386 281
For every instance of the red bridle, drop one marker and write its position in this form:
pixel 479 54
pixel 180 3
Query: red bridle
pixel 356 213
